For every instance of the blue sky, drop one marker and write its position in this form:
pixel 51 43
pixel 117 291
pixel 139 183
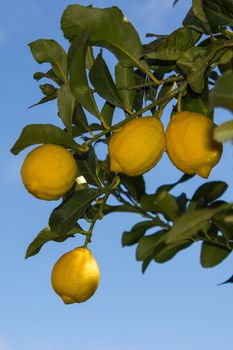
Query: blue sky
pixel 173 306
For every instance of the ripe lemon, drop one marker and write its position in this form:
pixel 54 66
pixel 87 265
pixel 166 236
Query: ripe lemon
pixel 190 144
pixel 49 171
pixel 137 146
pixel 75 276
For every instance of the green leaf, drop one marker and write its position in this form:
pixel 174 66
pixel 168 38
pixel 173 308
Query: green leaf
pixel 125 208
pixel 210 191
pixel 49 75
pixel 188 225
pixel 125 77
pixel 226 61
pixel 78 77
pixel 222 94
pixel 169 187
pixel 107 28
pixel 194 64
pixel 45 236
pixel 131 237
pixel 212 254
pixel 161 202
pixel 48 89
pixel 225 227
pixel 195 61
pixel 198 103
pixel 103 83
pixel 89 58
pixel 172 47
pixel 195 23
pixel 219 13
pixel 135 185
pixel 45 99
pixel 182 201
pixel 66 106
pixel 230 280
pixel 224 132
pixel 199 11
pixel 164 91
pixel 140 78
pixel 168 252
pixel 148 244
pixel 107 113
pixel 65 216
pixel 87 163
pixel 50 51
pixel 80 118
pixel 43 133
pixel 146 263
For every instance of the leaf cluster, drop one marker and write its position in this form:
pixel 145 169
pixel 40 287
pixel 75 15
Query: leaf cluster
pixel 193 64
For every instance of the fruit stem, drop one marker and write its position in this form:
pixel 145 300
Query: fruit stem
pixel 99 215
pixel 169 96
pixel 183 88
pixel 179 104
pixel 139 86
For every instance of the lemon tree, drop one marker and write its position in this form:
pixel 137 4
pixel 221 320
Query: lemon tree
pixel 188 73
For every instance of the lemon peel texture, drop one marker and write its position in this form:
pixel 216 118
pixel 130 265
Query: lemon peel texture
pixel 49 171
pixel 190 144
pixel 137 146
pixel 75 276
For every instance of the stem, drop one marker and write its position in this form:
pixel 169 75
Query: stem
pixel 169 96
pixel 139 86
pixel 137 206
pixel 227 33
pixel 99 215
pixel 179 106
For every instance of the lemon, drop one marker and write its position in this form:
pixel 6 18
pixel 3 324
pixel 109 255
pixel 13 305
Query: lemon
pixel 137 146
pixel 49 171
pixel 75 276
pixel 190 144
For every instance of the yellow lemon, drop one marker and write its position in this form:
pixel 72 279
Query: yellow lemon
pixel 137 146
pixel 75 276
pixel 49 171
pixel 190 144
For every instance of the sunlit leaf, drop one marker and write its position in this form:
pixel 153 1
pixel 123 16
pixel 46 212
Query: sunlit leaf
pixel 173 46
pixel 106 28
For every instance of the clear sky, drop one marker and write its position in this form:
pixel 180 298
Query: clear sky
pixel 175 306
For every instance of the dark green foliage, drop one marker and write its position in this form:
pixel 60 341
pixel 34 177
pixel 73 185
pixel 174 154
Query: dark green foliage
pixel 186 65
